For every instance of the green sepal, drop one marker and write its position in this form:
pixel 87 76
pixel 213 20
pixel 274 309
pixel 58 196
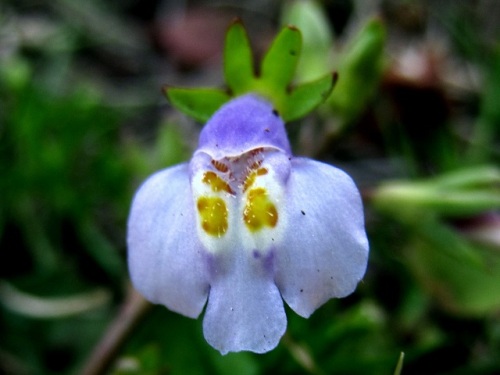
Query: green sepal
pixel 279 63
pixel 273 81
pixel 199 103
pixel 317 37
pixel 306 97
pixel 238 59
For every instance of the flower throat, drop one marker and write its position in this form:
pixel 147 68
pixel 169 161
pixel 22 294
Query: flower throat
pixel 236 178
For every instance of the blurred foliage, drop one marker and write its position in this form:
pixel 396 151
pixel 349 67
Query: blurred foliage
pixel 414 118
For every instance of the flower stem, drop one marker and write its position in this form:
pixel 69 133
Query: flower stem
pixel 134 307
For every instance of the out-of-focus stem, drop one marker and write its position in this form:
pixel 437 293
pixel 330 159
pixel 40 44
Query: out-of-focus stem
pixel 302 355
pixel 399 366
pixel 134 307
pixel 33 306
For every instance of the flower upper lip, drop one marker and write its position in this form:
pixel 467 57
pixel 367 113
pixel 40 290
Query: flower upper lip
pixel 251 126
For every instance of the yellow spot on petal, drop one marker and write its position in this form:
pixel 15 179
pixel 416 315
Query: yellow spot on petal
pixel 216 183
pixel 259 210
pixel 213 215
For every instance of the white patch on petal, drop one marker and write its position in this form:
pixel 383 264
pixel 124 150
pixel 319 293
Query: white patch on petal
pixel 261 207
pixel 238 200
pixel 216 211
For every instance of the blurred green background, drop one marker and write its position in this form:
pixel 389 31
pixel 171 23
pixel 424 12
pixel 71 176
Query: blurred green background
pixel 415 119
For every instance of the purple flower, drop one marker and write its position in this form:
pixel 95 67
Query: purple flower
pixel 245 224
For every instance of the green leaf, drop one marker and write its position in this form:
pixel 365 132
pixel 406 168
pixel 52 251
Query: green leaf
pixel 199 103
pixel 279 63
pixel 364 53
pixel 481 176
pixel 277 71
pixel 308 96
pixel 317 37
pixel 238 60
pixel 360 71
pixel 399 366
pixel 459 193
pixel 462 277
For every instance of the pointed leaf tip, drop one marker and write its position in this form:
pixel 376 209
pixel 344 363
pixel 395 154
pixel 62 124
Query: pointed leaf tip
pixel 304 98
pixel 235 20
pixel 279 63
pixel 238 59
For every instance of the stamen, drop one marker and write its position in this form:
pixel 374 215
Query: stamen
pixel 252 176
pixel 220 166
pixel 255 164
pixel 216 183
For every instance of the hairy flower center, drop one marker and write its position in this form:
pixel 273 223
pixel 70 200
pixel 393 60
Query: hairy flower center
pixel 237 196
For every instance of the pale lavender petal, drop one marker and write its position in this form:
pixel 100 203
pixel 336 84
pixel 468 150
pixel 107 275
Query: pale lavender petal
pixel 243 124
pixel 165 257
pixel 245 310
pixel 324 251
